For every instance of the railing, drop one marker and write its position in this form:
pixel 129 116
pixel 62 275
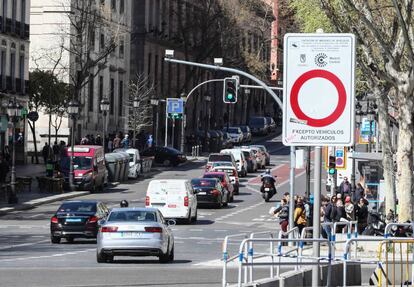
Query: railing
pixel 250 257
pixel 195 150
pixel 226 257
pixel 392 224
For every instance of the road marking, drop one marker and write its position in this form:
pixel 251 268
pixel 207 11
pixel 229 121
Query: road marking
pixel 22 245
pixel 36 215
pixel 238 211
pixel 221 230
pixel 47 256
pixel 195 230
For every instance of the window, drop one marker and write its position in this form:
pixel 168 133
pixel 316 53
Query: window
pixel 12 65
pixel 121 6
pixel 3 63
pixel 121 49
pixel 91 91
pixel 113 5
pixel 102 42
pixel 100 88
pixel 23 12
pixel 111 109
pixel 5 9
pixel 92 40
pixel 149 65
pixel 14 10
pixel 120 97
pixel 21 66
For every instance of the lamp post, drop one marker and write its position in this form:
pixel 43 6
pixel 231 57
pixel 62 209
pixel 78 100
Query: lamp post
pixel 371 117
pixel 183 97
pixel 154 103
pixel 136 103
pixel 14 113
pixel 73 110
pixel 104 108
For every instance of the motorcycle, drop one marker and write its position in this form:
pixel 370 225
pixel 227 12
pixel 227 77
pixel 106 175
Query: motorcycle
pixel 376 225
pixel 268 188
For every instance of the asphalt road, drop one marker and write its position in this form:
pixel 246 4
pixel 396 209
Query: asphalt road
pixel 27 258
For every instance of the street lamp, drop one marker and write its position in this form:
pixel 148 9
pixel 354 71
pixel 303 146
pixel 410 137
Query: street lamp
pixel 136 103
pixel 14 113
pixel 183 97
pixel 104 108
pixel 73 111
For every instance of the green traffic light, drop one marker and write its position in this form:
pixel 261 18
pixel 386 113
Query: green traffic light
pixel 230 96
pixel 331 171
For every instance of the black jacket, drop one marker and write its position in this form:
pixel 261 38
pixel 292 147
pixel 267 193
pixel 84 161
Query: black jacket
pixel 330 213
pixel 362 214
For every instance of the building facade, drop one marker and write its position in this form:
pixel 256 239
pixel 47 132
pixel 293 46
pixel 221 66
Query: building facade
pixel 14 62
pixel 51 37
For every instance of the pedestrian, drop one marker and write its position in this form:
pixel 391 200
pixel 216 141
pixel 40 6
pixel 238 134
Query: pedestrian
pixel 150 141
pixel 359 192
pixel 56 152
pixel 299 215
pixel 345 188
pixel 45 152
pixel 349 209
pixel 329 215
pixel 4 169
pixel 125 142
pixel 282 213
pixel 340 214
pixel 361 214
pixel 110 145
pixel 324 203
pixel 98 140
pixel 117 142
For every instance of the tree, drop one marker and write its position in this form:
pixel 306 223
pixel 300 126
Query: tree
pixel 384 32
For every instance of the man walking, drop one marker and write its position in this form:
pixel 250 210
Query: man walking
pixel 345 188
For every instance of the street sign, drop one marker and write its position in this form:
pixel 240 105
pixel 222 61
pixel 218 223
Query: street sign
pixel 367 130
pixel 340 157
pixel 318 98
pixel 175 106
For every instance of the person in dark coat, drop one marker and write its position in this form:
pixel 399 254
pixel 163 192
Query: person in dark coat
pixel 345 188
pixel 340 214
pixel 361 213
pixel 359 193
pixel 329 215
pixel 46 152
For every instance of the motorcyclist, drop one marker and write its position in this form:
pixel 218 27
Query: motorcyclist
pixel 268 176
pixel 124 203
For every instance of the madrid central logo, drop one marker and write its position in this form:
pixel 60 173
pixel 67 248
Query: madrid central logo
pixel 320 60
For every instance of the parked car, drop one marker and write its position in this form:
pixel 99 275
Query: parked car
pixel 271 124
pixel 258 125
pixel 134 162
pixel 235 134
pixel 260 157
pixel 175 198
pixel 241 162
pixel 88 167
pixel 213 157
pixel 135 232
pixel 167 156
pixel 231 172
pixel 250 158
pixel 264 151
pixel 225 182
pixel 77 219
pixel 227 141
pixel 209 191
pixel 247 134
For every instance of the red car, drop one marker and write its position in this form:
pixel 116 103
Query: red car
pixel 225 182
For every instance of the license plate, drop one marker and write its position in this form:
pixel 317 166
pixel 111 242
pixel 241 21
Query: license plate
pixel 267 189
pixel 172 205
pixel 131 234
pixel 73 220
pixel 157 204
pixel 202 193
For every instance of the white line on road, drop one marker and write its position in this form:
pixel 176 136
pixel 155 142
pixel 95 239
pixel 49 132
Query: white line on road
pixel 35 215
pixel 47 256
pixel 196 230
pixel 22 245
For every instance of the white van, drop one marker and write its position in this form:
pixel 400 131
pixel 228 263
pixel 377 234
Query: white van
pixel 241 162
pixel 175 198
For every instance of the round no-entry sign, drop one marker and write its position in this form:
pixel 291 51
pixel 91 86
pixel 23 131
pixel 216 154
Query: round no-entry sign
pixel 294 98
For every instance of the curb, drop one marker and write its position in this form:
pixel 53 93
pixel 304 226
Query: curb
pixel 36 202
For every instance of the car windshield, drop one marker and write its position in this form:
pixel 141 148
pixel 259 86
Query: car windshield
pixel 79 162
pixel 77 207
pixel 215 164
pixel 199 182
pixel 233 130
pixel 256 121
pixel 219 157
pixel 132 216
pixel 219 176
pixel 244 129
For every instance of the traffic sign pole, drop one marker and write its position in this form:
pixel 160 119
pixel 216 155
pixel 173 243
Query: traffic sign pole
pixel 166 124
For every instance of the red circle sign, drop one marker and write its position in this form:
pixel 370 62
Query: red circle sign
pixel 294 95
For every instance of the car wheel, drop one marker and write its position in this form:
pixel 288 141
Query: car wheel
pixel 100 257
pixel 55 239
pixel 171 257
pixel 195 217
pixel 188 220
pixel 167 162
pixel 165 258
pixel 70 239
pixel 225 204
pixel 231 198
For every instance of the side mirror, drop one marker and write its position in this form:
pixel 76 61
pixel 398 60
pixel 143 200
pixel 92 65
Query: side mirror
pixel 171 222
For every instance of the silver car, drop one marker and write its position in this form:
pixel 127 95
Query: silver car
pixel 135 232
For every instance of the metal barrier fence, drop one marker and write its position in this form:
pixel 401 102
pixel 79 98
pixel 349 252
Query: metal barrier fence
pixel 228 258
pixel 195 150
pixel 389 226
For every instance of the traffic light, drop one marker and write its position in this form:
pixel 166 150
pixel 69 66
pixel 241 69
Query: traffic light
pixel 332 165
pixel 230 90
pixel 175 116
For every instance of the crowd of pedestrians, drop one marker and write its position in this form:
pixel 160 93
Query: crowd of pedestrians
pixel 346 205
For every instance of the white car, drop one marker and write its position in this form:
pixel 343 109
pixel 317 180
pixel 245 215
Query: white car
pixel 175 198
pixel 260 157
pixel 236 134
pixel 135 232
pixel 240 160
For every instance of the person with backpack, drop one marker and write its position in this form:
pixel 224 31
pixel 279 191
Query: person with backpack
pixel 299 215
pixel 282 212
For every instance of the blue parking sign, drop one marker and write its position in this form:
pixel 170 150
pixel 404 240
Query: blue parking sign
pixel 175 106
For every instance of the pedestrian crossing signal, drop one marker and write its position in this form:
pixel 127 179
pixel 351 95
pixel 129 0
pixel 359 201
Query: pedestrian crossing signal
pixel 332 165
pixel 230 91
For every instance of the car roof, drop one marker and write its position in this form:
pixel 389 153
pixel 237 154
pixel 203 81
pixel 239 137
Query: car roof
pixel 215 173
pixel 224 166
pixel 80 201
pixel 134 209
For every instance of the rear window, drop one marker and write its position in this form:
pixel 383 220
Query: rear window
pixel 246 154
pixel 203 182
pixel 172 187
pixel 133 216
pixel 219 157
pixel 219 176
pixel 256 121
pixel 233 130
pixel 77 207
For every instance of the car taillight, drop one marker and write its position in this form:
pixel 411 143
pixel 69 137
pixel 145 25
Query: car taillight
pixel 153 229
pixel 147 200
pixel 54 219
pixel 215 192
pixel 268 185
pixel 93 219
pixel 109 229
pixel 186 201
